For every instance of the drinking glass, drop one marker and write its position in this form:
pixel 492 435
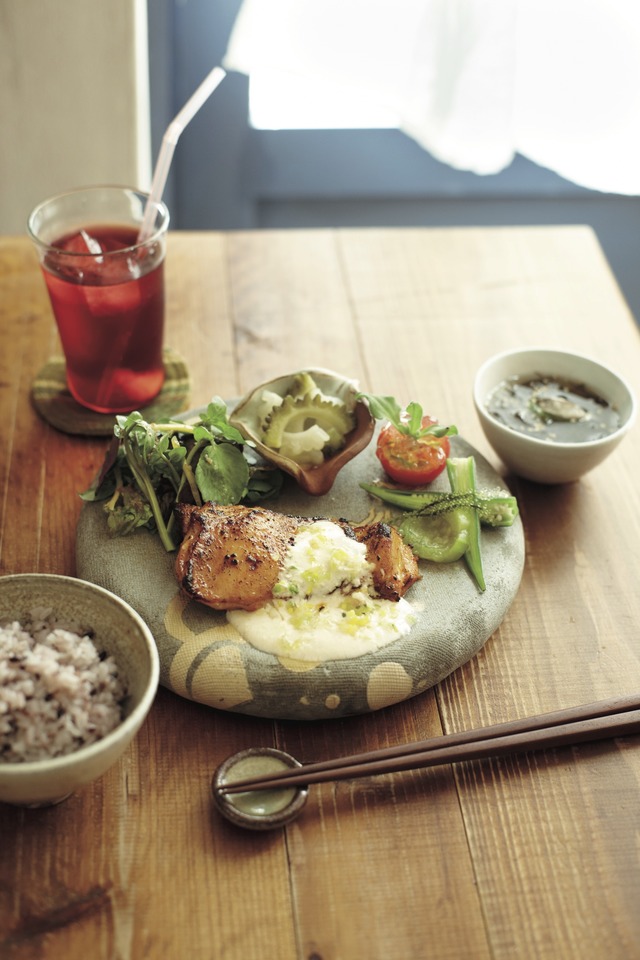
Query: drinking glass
pixel 106 286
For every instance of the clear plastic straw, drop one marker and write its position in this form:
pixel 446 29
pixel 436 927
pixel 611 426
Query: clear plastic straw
pixel 169 141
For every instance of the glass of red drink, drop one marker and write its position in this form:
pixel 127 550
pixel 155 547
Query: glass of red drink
pixel 106 287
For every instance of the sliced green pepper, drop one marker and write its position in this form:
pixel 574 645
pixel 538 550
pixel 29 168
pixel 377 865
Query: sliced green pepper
pixel 443 538
pixel 444 526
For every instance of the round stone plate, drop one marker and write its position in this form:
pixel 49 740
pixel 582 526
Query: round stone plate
pixel 204 659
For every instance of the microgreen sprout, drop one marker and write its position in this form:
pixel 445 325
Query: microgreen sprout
pixel 408 421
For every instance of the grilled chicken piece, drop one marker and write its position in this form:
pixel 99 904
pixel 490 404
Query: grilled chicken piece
pixel 395 567
pixel 230 556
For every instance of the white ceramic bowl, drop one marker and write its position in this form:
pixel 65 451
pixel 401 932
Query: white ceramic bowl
pixel 122 633
pixel 541 460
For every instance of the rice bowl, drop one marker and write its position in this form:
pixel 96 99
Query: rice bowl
pixel 58 691
pixel 61 734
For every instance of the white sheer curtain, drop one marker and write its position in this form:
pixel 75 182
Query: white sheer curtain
pixel 474 81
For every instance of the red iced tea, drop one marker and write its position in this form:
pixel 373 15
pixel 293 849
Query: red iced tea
pixel 107 295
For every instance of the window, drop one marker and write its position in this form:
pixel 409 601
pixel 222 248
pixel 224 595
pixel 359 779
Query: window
pixel 277 101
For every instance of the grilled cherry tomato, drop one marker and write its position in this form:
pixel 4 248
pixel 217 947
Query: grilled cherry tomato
pixel 412 461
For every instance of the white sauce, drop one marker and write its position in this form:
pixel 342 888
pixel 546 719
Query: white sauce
pixel 324 608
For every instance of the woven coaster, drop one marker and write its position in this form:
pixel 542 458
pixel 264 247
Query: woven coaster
pixel 51 398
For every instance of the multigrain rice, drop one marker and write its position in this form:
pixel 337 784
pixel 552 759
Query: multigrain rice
pixel 58 692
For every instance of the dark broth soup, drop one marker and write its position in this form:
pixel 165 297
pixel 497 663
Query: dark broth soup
pixel 553 409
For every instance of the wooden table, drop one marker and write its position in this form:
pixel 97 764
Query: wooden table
pixel 534 856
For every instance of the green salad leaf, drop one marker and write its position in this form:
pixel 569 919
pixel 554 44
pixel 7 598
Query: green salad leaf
pixel 149 467
pixel 222 474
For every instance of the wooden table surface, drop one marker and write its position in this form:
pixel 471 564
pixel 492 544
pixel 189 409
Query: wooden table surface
pixel 536 856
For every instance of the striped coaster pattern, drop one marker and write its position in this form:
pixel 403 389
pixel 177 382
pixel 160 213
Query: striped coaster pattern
pixel 52 400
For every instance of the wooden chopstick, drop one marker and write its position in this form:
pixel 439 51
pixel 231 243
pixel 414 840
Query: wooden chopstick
pixel 616 717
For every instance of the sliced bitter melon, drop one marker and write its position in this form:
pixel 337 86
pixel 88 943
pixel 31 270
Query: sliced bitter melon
pixel 304 386
pixel 268 401
pixel 298 414
pixel 305 446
